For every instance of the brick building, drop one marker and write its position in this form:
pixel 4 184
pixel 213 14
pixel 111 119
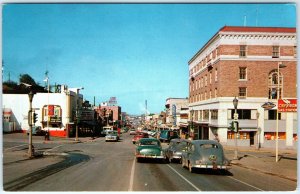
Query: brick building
pixel 243 62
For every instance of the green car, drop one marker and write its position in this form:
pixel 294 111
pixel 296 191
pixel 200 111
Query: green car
pixel 149 148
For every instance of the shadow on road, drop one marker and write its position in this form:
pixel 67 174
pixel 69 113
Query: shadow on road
pixel 21 182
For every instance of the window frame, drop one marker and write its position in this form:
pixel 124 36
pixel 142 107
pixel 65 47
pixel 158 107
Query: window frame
pixel 242 92
pixel 275 51
pixel 243 51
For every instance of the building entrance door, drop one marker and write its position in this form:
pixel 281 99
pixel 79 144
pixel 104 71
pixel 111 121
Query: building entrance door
pixel 251 134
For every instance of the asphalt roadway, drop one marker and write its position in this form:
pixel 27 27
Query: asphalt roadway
pixel 16 161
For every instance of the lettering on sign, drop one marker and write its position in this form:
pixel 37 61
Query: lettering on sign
pixel 287 105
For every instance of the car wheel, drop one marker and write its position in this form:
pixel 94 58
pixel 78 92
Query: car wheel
pixel 170 160
pixel 191 169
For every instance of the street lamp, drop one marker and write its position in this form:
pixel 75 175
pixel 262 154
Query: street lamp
pixel 235 104
pixel 280 65
pixel 30 147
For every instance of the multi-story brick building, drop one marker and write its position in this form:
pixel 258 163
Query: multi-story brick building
pixel 243 62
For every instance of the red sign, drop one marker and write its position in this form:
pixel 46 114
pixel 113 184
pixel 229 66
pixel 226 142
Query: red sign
pixel 51 110
pixel 287 105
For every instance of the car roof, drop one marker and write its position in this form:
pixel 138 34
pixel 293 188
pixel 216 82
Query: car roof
pixel 149 139
pixel 179 140
pixel 204 142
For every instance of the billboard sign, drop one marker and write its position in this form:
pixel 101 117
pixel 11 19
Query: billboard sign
pixel 287 105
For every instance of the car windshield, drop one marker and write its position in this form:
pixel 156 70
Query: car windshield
pixel 153 143
pixel 181 145
pixel 111 132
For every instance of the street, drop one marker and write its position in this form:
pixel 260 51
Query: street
pixel 97 165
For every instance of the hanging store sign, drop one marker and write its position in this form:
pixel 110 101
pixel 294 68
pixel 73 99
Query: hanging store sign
pixel 287 105
pixel 268 105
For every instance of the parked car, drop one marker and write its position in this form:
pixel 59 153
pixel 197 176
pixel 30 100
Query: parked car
pixel 132 132
pixel 139 136
pixel 207 154
pixel 111 136
pixel 37 130
pixel 167 135
pixel 174 150
pixel 149 148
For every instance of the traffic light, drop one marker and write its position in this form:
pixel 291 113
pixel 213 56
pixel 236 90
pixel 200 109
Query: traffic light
pixel 34 117
pixel 235 126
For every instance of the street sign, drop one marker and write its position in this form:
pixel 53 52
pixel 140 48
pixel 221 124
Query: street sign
pixel 268 105
pixel 287 105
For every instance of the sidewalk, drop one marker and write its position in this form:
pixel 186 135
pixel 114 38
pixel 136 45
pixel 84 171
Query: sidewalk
pixel 264 160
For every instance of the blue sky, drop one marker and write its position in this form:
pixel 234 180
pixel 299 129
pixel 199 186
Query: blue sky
pixel 134 52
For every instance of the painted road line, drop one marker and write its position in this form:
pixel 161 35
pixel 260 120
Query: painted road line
pixel 190 183
pixel 246 183
pixel 130 188
pixel 15 147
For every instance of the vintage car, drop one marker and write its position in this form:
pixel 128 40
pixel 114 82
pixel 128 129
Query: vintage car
pixel 132 132
pixel 174 151
pixel 138 136
pixel 105 129
pixel 111 135
pixel 206 154
pixel 149 148
pixel 166 135
pixel 37 130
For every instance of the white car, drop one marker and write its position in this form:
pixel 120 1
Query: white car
pixel 111 136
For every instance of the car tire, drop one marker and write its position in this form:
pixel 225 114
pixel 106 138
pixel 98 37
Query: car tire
pixel 191 169
pixel 170 160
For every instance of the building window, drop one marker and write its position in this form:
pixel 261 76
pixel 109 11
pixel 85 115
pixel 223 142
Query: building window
pixel 205 114
pixel 272 115
pixel 243 73
pixel 216 93
pixel 214 114
pixel 242 92
pixel 273 84
pixel 205 80
pixel 243 51
pixel 295 51
pixel 216 75
pixel 275 53
pixel 210 94
pixel 210 78
pixel 243 114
